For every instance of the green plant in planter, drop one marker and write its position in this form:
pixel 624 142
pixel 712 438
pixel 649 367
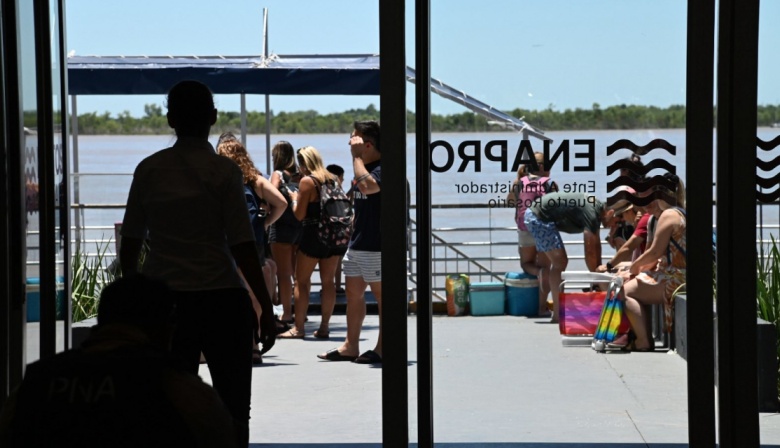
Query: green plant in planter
pixel 768 283
pixel 768 288
pixel 87 281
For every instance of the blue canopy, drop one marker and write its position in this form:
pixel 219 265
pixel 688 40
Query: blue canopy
pixel 274 75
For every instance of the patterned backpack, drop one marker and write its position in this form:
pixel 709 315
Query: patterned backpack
pixel 335 224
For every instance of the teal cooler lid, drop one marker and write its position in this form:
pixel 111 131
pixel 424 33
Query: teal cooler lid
pixel 518 275
pixel 520 280
pixel 482 286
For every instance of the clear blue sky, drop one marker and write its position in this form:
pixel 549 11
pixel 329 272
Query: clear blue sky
pixel 507 53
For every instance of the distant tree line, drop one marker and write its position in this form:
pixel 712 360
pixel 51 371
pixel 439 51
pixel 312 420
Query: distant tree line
pixel 311 122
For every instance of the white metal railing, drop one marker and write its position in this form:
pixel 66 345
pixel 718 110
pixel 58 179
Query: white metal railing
pixel 486 253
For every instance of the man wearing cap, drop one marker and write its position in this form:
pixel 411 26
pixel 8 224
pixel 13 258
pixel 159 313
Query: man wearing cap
pixel 633 246
pixel 568 213
pixel 623 227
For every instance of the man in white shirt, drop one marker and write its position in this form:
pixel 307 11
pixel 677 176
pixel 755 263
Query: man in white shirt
pixel 189 203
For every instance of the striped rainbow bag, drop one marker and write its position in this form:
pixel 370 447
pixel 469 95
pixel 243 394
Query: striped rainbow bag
pixel 611 317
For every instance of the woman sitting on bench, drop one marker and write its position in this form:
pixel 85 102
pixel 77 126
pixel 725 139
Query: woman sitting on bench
pixel 655 275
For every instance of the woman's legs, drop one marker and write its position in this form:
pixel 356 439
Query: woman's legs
pixel 558 262
pixel 328 295
pixel 356 313
pixel 637 295
pixel 543 263
pixel 284 255
pixel 269 272
pixel 304 266
pixel 339 285
pixel 528 260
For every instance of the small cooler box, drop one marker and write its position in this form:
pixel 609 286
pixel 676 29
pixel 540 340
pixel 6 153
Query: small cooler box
pixel 34 299
pixel 487 299
pixel 522 294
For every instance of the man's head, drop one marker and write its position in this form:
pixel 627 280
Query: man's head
pixel 369 132
pixel 606 214
pixel 139 301
pixel 337 171
pixel 191 109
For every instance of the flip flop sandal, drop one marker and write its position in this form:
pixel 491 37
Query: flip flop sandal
pixel 334 355
pixel 281 326
pixel 369 357
pixel 322 334
pixel 290 334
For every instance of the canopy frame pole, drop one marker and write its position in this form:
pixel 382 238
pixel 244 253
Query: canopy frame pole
pixel 267 99
pixel 243 119
pixel 77 221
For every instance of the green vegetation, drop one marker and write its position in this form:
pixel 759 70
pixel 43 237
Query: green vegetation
pixel 87 281
pixel 312 122
pixel 768 289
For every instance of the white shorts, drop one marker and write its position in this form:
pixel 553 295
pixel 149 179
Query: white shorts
pixel 525 239
pixel 361 263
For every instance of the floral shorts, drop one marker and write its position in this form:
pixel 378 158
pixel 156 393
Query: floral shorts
pixel 546 234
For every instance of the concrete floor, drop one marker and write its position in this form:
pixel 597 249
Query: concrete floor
pixel 499 381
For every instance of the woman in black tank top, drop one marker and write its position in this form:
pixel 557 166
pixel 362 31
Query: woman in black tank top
pixel 312 252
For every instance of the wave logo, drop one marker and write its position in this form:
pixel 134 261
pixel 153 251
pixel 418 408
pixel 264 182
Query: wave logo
pixel 767 166
pixel 633 184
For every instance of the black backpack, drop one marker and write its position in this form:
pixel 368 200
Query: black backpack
pixel 334 227
pixel 256 213
pixel 286 185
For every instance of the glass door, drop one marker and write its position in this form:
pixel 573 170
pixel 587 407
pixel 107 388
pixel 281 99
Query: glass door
pixel 602 101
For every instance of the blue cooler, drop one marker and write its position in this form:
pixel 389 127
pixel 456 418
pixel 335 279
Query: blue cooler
pixel 487 299
pixel 34 299
pixel 522 294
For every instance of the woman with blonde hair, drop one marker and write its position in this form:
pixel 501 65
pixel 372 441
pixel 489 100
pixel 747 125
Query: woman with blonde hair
pixel 285 234
pixel 311 252
pixel 268 204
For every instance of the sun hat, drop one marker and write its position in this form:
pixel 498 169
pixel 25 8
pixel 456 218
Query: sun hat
pixel 621 207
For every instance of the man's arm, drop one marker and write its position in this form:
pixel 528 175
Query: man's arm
pixel 365 181
pixel 624 253
pixel 367 184
pixel 248 261
pixel 592 250
pixel 627 249
pixel 129 252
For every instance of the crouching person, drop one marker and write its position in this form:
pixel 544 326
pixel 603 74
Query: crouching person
pixel 121 387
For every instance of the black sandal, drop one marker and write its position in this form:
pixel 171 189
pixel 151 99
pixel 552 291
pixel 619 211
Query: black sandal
pixel 281 326
pixel 257 357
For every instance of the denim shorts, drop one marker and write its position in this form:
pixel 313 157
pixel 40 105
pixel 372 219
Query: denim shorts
pixel 546 234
